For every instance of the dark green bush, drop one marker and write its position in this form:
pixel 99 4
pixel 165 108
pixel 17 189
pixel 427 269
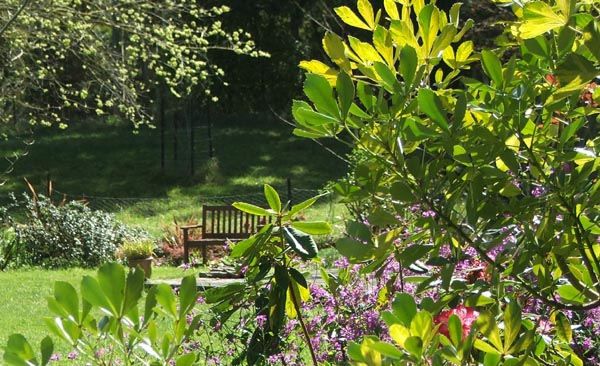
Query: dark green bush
pixel 67 235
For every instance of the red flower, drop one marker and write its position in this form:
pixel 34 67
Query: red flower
pixel 467 318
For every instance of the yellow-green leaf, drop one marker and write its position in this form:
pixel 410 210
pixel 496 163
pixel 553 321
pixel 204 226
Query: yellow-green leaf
pixel 366 10
pixel 347 16
pixel 391 9
pixel 317 67
pixel 335 49
pixel 563 327
pixel 365 51
pixel 539 18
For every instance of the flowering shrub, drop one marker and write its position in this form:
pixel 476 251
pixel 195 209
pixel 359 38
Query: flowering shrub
pixel 502 164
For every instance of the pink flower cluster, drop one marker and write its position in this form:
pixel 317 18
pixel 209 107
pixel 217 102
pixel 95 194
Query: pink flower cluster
pixel 467 317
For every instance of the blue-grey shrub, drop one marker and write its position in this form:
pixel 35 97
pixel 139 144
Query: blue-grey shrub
pixel 69 235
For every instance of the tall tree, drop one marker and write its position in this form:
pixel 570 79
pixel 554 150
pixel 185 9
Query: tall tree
pixel 66 58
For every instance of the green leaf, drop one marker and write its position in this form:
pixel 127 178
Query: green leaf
pixel 492 67
pixel 388 77
pixel 188 295
pixel 18 351
pixel 576 68
pixel 443 40
pixel 47 349
pixel 272 198
pixel 347 16
pixel 302 243
pixel 187 359
pixel 414 346
pixel 422 324
pixel 408 65
pixel 401 191
pixel 91 292
pixel 251 209
pixel 354 250
pixel 345 91
pixel 380 217
pixel 111 279
pixel 386 349
pixel 487 324
pixel 486 347
pixel 563 327
pixel 318 90
pixel 413 253
pixel 133 290
pixel 166 298
pixel 312 227
pixel 430 103
pixel 455 329
pixel 307 117
pixel 354 352
pixel 404 308
pixel 512 323
pixel 571 294
pixel 304 205
pixel 66 295
pixel 218 294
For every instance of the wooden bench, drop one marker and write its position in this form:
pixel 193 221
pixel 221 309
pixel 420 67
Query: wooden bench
pixel 219 225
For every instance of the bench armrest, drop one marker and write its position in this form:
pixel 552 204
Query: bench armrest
pixel 187 227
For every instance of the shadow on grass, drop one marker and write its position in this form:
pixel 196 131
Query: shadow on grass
pixel 113 161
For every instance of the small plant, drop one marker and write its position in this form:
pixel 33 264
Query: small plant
pixel 139 248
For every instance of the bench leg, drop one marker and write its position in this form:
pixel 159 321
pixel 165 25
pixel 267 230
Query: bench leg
pixel 204 255
pixel 186 249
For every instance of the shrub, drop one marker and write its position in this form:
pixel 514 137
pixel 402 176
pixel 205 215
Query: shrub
pixel 8 244
pixel 67 235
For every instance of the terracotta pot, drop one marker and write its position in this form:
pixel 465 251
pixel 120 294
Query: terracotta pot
pixel 144 263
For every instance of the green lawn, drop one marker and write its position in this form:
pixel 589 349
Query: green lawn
pixel 24 299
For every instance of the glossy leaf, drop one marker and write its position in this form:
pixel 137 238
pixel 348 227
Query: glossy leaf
pixel 318 90
pixel 251 209
pixel 272 198
pixel 431 105
pixel 312 227
pixel 46 349
pixel 133 290
pixel 345 91
pixel 302 243
pixel 404 308
pixel 512 323
pixel 492 67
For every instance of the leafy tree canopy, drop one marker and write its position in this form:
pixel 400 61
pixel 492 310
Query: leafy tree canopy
pixel 66 58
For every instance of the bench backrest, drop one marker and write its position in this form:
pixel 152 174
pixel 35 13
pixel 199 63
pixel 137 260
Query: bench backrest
pixel 227 222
